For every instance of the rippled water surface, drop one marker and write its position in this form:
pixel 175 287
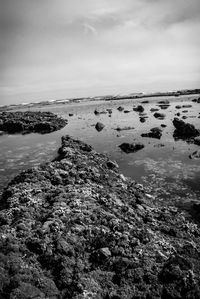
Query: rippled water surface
pixel 163 166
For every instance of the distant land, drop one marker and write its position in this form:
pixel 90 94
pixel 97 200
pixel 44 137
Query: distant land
pixel 98 98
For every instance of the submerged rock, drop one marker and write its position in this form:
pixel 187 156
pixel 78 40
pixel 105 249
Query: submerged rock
pixel 131 147
pixel 184 130
pixel 99 126
pixel 30 122
pixel 76 228
pixel 154 133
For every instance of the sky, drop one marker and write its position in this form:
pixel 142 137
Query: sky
pixel 72 48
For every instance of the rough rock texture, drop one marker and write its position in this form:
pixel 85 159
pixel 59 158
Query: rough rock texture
pixel 76 228
pixel 30 121
pixel 131 147
pixel 154 133
pixel 184 130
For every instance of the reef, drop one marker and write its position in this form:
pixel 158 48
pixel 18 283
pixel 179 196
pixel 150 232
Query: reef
pixel 30 122
pixel 77 228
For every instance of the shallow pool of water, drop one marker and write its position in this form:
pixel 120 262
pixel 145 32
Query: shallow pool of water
pixel 163 166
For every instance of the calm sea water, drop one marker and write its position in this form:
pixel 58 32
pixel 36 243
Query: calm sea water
pixel 166 171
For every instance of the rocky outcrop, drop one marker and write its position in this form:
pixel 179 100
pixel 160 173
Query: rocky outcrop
pixel 131 147
pixel 76 228
pixel 184 130
pixel 30 122
pixel 154 133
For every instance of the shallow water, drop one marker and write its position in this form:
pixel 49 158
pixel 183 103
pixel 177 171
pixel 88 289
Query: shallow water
pixel 166 171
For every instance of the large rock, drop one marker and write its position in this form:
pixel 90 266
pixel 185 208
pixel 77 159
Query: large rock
pixel 30 122
pixel 154 133
pixel 131 147
pixel 184 130
pixel 76 228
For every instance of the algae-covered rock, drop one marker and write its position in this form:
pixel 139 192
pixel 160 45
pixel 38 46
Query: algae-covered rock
pixel 77 228
pixel 30 122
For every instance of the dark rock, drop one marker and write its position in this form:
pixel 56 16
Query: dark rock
pixel 131 147
pixel 178 107
pixel 139 108
pixel 163 125
pixel 145 102
pixel 154 133
pixel 30 122
pixel 71 114
pixel 184 130
pixel 120 108
pixel 127 111
pixel 195 155
pixel 99 126
pixel 178 114
pixel 184 117
pixel 159 115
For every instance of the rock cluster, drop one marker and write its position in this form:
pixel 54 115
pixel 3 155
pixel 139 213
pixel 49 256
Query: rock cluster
pixel 76 228
pixel 30 122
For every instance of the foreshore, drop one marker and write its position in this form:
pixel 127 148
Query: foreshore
pixel 78 228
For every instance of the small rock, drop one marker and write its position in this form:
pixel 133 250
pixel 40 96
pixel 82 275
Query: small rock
pixel 120 108
pixel 99 126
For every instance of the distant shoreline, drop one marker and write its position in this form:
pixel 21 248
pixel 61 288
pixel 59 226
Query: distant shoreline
pixel 103 98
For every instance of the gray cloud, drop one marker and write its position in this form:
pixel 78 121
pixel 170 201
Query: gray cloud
pixel 47 46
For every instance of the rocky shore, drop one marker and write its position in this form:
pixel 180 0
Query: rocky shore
pixel 77 228
pixel 30 122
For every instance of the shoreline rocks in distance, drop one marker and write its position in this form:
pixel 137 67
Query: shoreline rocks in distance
pixel 30 122
pixel 76 228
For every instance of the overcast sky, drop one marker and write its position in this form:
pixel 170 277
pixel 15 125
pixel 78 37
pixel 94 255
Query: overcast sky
pixel 69 48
